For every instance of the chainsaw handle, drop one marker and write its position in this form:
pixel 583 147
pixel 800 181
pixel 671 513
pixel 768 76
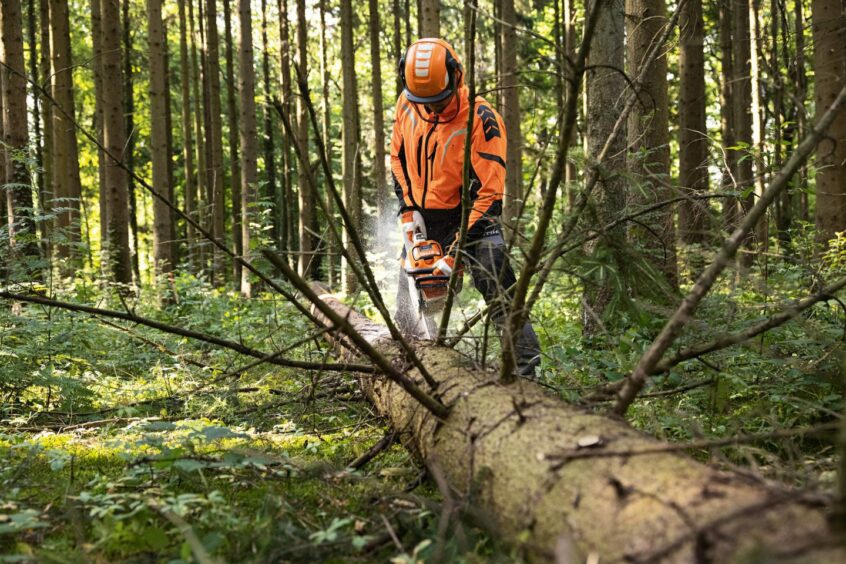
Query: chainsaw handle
pixel 414 271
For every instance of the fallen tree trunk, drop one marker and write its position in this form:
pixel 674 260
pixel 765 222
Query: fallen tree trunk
pixel 525 459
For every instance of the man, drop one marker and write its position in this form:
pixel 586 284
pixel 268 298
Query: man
pixel 427 155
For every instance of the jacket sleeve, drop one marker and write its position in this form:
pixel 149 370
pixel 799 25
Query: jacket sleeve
pixel 487 173
pixel 399 171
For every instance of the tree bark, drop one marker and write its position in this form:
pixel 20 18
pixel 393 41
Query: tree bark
pixel 693 130
pixel 114 134
pixel 159 150
pixel 287 208
pixel 23 241
pixel 326 109
pixel 234 132
pixel 529 465
pixel 648 134
pixel 187 133
pixel 351 156
pixel 430 18
pixel 67 187
pixel 741 102
pixel 97 65
pixel 47 116
pixel 380 178
pixel 198 251
pixel 307 218
pixel 129 152
pixel 605 86
pixel 511 117
pixel 270 195
pixel 829 25
pixel 33 77
pixel 216 185
pixel 248 132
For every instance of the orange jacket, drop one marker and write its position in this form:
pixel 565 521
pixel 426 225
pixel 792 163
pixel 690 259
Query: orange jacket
pixel 427 162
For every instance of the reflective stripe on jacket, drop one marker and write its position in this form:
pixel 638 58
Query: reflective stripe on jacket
pixel 427 162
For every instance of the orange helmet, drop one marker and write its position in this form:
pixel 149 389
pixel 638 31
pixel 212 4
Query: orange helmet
pixel 428 71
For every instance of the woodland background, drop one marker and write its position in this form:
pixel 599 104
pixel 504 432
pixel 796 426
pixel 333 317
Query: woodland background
pixel 147 144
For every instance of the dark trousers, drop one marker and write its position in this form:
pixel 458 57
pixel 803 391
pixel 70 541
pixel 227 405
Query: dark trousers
pixel 492 276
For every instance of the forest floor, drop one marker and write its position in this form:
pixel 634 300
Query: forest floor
pixel 119 443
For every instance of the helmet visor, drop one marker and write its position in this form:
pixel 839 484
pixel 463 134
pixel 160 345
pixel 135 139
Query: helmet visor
pixel 446 93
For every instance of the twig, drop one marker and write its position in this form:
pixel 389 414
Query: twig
pixel 709 276
pixel 384 443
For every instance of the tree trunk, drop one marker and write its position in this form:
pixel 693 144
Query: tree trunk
pixel 307 209
pixel 216 185
pixel 693 130
pixel 397 39
pixel 741 100
pixel 332 250
pixel 33 76
pixel 247 121
pixel 511 118
pixel 380 178
pixel 829 25
pixel 187 133
pixel 67 186
pixel 159 149
pixel 47 116
pixel 604 90
pixel 234 132
pixel 533 468
pixel 129 152
pixel 198 251
pixel 114 133
pixel 730 205
pixel 97 66
pixel 351 157
pixel 287 208
pixel 430 18
pixel 648 134
pixel 23 241
pixel 269 144
pixel 758 121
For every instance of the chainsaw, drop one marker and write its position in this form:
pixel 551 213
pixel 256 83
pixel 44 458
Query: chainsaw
pixel 420 266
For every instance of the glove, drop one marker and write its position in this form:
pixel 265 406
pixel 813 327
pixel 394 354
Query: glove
pixel 412 223
pixel 444 266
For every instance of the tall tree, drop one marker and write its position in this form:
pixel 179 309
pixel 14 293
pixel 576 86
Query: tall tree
pixel 730 204
pixel 114 130
pixel 829 25
pixel 380 180
pixel 21 224
pixel 429 13
pixel 215 182
pixel 163 243
pixel 741 103
pixel 605 87
pixel 511 116
pixel 332 250
pixel 247 131
pixel 32 63
pixel 44 63
pixel 268 144
pixel 198 251
pixel 693 131
pixel 307 205
pixel 351 155
pixel 234 132
pixel 287 206
pixel 66 184
pixel 648 134
pixel 129 153
pixel 190 190
pixel 97 65
pixel 396 38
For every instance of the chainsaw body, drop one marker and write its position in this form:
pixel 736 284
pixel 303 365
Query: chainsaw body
pixel 420 263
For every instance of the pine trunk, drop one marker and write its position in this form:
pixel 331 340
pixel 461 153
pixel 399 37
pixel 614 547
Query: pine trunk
pixel 693 131
pixel 215 181
pixel 114 133
pixel 270 194
pixel 287 209
pixel 648 134
pixel 198 251
pixel 234 132
pixel 66 184
pixel 307 219
pixel 430 18
pixel 511 117
pixel 829 25
pixel 190 189
pixel 543 476
pixel 159 150
pixel 129 152
pixel 380 178
pixel 247 121
pixel 741 103
pixel 604 90
pixel 332 250
pixel 351 158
